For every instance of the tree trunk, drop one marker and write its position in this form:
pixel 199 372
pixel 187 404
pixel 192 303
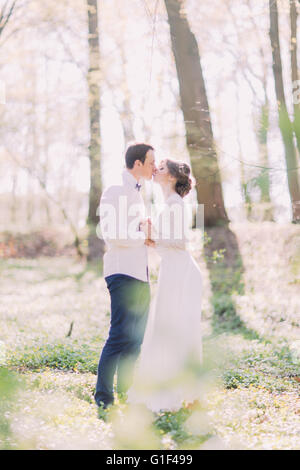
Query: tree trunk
pixel 263 179
pixel 263 145
pixel 46 146
pixel 194 103
pixel 294 67
pixel 285 124
pixel 95 245
pixel 14 202
pixel 200 143
pixel 243 178
pixel 126 120
pixel 126 113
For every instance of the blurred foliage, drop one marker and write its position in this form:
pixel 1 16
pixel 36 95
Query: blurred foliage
pixel 172 424
pixel 33 244
pixel 9 383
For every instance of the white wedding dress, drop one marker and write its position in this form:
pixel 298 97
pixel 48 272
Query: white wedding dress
pixel 165 374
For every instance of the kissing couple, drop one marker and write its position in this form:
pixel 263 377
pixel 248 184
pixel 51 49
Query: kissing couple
pixel 151 345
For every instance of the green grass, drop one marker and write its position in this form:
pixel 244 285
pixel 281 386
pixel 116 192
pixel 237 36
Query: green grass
pixel 268 366
pixel 9 384
pixel 253 403
pixel 68 356
pixel 258 366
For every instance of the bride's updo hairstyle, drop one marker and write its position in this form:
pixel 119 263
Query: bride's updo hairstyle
pixel 180 171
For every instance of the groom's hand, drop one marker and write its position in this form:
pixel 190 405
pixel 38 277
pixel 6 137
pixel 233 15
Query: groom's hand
pixel 146 226
pixel 150 242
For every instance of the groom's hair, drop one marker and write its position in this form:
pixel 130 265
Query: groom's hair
pixel 136 152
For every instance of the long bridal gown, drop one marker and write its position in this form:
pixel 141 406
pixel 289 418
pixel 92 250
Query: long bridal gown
pixel 165 373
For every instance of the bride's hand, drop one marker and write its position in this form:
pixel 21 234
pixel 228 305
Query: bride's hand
pixel 145 226
pixel 150 242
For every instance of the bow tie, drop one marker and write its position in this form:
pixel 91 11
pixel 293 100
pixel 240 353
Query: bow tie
pixel 138 186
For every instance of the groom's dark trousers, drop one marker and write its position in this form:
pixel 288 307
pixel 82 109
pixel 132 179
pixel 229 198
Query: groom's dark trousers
pixel 130 299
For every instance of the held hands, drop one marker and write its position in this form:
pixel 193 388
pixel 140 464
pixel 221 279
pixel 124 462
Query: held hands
pixel 146 227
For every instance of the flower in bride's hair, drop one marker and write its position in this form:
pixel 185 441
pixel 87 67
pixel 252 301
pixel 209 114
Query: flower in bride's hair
pixel 184 168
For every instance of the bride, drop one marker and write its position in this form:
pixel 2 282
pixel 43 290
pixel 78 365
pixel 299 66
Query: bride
pixel 165 374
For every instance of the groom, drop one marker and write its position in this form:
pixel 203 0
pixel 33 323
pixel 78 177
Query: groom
pixel 125 272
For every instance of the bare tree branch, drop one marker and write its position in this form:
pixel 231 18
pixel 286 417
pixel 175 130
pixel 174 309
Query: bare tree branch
pixel 43 185
pixel 5 15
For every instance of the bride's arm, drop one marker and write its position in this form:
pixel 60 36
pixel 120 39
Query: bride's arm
pixel 170 230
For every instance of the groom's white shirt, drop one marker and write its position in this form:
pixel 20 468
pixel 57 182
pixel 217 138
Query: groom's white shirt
pixel 121 209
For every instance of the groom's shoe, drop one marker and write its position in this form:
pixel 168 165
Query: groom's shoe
pixel 103 410
pixel 103 404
